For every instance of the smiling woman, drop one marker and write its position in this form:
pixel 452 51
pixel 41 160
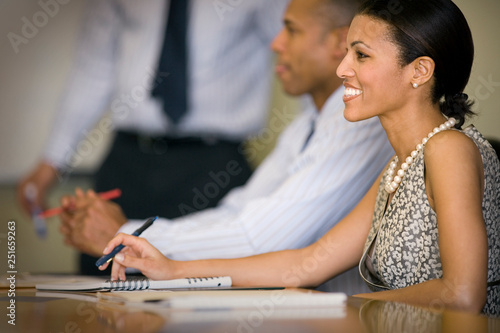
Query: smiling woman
pixel 371 72
pixel 410 70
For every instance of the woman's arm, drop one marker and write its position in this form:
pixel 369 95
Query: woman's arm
pixel 454 181
pixel 337 251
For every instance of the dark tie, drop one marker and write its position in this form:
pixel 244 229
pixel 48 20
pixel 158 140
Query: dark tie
pixel 171 77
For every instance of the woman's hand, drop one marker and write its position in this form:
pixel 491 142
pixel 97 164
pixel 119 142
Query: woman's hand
pixel 139 254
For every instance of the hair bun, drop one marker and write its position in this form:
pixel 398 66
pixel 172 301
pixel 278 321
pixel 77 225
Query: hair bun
pixel 461 97
pixel 457 106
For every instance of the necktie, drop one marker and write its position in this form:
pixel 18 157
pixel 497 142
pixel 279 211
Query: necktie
pixel 171 77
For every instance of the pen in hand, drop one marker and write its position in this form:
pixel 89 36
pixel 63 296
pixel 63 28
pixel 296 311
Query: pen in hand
pixel 31 193
pixel 109 195
pixel 108 257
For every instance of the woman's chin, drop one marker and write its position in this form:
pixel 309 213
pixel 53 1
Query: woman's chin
pixel 351 116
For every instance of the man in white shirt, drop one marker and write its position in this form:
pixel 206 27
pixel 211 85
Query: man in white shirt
pixel 303 188
pixel 162 164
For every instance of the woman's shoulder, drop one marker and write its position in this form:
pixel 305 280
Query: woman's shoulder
pixel 459 143
pixel 453 167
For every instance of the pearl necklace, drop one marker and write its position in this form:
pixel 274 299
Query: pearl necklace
pixel 392 182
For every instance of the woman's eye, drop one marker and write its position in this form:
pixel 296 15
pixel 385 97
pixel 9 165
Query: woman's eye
pixel 361 55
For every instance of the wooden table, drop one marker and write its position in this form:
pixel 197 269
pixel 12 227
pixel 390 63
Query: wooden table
pixel 56 315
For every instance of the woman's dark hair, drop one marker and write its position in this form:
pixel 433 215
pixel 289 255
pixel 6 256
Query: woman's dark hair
pixel 439 30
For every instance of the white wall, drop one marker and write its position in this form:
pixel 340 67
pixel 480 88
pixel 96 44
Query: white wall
pixel 484 85
pixel 33 72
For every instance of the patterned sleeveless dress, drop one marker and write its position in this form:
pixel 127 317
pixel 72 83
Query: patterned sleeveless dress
pixel 406 250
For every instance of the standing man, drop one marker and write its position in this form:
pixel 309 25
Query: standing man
pixel 186 82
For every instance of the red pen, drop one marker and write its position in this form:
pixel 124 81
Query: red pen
pixel 109 195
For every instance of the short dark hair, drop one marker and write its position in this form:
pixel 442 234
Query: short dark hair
pixel 338 13
pixel 439 30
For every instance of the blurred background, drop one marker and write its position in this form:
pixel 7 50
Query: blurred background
pixel 33 72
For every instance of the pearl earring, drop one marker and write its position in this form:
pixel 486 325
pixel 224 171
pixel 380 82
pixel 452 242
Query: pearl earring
pixel 415 85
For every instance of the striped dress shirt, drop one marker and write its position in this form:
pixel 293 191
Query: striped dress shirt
pixel 294 197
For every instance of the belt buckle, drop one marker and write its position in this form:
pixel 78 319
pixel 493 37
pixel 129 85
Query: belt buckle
pixel 151 145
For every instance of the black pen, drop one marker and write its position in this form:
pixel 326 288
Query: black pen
pixel 108 257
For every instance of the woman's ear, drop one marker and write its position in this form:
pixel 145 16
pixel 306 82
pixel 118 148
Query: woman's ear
pixel 423 70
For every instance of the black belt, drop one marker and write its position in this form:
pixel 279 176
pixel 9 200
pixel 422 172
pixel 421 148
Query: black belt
pixel 158 144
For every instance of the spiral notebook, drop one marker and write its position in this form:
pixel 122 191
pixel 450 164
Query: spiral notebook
pixel 139 284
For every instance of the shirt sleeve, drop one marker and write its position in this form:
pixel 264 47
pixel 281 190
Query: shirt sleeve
pixel 89 85
pixel 323 185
